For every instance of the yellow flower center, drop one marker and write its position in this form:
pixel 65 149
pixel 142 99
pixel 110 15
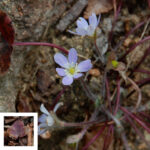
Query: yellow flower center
pixel 114 63
pixel 71 70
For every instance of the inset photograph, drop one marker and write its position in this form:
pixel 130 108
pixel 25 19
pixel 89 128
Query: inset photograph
pixel 18 130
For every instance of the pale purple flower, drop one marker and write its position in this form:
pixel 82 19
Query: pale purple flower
pixel 85 28
pixel 45 120
pixel 70 68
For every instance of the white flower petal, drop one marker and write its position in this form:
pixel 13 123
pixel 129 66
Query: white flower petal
pixel 93 20
pixel 72 56
pixel 57 106
pixel 67 80
pixel 42 118
pixel 43 125
pixel 41 130
pixel 81 31
pixel 78 75
pixel 61 60
pixel 85 66
pixel 44 110
pixel 98 20
pixel 73 32
pixel 90 30
pixel 82 23
pixel 50 120
pixel 61 72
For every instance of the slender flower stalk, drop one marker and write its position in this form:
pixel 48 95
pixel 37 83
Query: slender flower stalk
pixel 144 115
pixel 147 53
pixel 108 138
pixel 142 71
pixel 118 97
pixel 134 46
pixel 114 22
pixel 128 34
pixel 140 84
pixel 40 44
pixel 136 119
pixel 98 51
pixel 58 97
pixel 94 138
pixel 125 141
pixel 87 90
pixel 137 131
pixel 108 92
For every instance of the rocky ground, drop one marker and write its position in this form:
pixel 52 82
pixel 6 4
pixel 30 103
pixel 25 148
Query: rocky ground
pixel 32 80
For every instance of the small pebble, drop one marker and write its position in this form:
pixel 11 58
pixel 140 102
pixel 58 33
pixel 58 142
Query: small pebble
pixel 94 72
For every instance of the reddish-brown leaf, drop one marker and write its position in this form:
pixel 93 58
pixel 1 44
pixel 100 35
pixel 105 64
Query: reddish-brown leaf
pixel 5 53
pixel 6 41
pixel 17 129
pixel 6 28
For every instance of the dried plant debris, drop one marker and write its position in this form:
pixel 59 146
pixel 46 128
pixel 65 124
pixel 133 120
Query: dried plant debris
pixel 18 131
pixel 118 47
pixel 97 7
pixel 71 15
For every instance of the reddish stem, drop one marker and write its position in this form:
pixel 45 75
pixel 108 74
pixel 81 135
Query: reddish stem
pixel 137 131
pixel 94 138
pixel 58 97
pixel 142 71
pixel 134 46
pixel 143 82
pixel 140 84
pixel 114 22
pixel 97 50
pixel 129 33
pixel 136 119
pixel 143 114
pixel 40 44
pixel 140 118
pixel 118 97
pixel 108 92
pixel 147 52
pixel 108 137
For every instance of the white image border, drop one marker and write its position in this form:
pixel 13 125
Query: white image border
pixel 35 133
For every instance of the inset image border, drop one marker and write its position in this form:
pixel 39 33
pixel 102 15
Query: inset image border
pixel 35 141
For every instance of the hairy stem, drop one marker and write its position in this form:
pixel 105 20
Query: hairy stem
pixel 87 90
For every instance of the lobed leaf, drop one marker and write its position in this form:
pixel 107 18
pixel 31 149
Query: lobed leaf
pixel 6 28
pixel 17 129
